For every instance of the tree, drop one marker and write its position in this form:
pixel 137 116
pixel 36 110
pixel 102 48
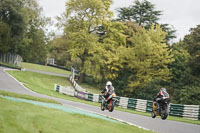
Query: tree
pixel 82 17
pixel 4 37
pixel 185 69
pixel 148 59
pixel 191 43
pixel 33 48
pixel 144 14
pixel 11 15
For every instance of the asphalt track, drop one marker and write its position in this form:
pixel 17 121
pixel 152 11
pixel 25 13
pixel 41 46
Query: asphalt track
pixel 8 83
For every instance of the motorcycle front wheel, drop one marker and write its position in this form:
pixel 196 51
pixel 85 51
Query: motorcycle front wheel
pixel 102 106
pixel 111 106
pixel 164 113
pixel 153 115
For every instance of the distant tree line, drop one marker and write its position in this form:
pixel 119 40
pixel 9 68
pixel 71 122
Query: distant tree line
pixel 133 51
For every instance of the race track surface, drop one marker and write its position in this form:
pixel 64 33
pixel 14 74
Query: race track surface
pixel 8 83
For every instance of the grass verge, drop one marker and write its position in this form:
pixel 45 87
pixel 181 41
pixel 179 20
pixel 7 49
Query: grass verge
pixel 9 65
pixel 11 94
pixel 44 68
pixel 17 117
pixel 43 84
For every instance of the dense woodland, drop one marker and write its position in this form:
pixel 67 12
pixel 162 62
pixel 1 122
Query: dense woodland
pixel 133 51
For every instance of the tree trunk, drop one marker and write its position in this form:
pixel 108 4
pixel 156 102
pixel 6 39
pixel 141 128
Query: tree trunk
pixel 82 77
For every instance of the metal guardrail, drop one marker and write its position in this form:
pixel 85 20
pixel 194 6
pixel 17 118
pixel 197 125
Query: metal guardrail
pixel 179 110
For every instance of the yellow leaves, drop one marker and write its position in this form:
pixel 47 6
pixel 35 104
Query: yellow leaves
pixel 150 57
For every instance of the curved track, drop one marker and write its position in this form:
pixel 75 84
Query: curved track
pixel 8 83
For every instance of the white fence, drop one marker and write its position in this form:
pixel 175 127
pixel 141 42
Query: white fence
pixel 9 58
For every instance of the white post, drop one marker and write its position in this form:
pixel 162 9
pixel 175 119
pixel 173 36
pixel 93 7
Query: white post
pixel 73 72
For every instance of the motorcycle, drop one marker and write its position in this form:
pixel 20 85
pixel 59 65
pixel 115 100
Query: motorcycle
pixel 163 110
pixel 109 102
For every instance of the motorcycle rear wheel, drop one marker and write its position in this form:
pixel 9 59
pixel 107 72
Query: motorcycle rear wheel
pixel 102 107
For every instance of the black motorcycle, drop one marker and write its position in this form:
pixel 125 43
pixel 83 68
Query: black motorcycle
pixel 163 110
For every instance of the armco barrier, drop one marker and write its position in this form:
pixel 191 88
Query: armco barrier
pixel 90 97
pixel 81 95
pixel 191 111
pixel 176 110
pixel 67 90
pixel 123 102
pixel 132 103
pixel 64 90
pixel 95 97
pixel 149 106
pixel 100 98
pixel 199 112
pixel 141 105
pixel 57 88
pixel 187 111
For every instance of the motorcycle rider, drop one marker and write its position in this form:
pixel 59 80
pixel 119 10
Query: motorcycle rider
pixel 160 96
pixel 109 87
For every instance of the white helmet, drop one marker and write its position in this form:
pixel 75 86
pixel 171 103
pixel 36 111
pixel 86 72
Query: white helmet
pixel 163 89
pixel 108 83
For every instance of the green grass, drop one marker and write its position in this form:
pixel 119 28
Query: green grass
pixel 92 89
pixel 44 84
pixel 17 117
pixel 44 68
pixel 11 94
pixel 9 65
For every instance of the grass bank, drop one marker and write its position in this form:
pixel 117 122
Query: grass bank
pixel 44 68
pixel 17 117
pixel 9 65
pixel 44 84
pixel 11 94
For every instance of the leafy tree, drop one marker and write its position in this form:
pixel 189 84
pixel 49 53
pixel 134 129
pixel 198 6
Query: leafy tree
pixel 144 14
pixel 185 81
pixel 34 45
pixel 191 43
pixel 11 14
pixel 82 16
pixel 185 71
pixel 4 37
pixel 58 50
pixel 148 59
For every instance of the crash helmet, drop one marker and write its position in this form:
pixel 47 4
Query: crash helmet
pixel 163 89
pixel 109 83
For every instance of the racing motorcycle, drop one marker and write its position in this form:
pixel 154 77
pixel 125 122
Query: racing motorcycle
pixel 109 102
pixel 163 110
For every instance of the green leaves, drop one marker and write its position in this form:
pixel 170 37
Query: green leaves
pixel 5 37
pixel 145 15
pixel 149 57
